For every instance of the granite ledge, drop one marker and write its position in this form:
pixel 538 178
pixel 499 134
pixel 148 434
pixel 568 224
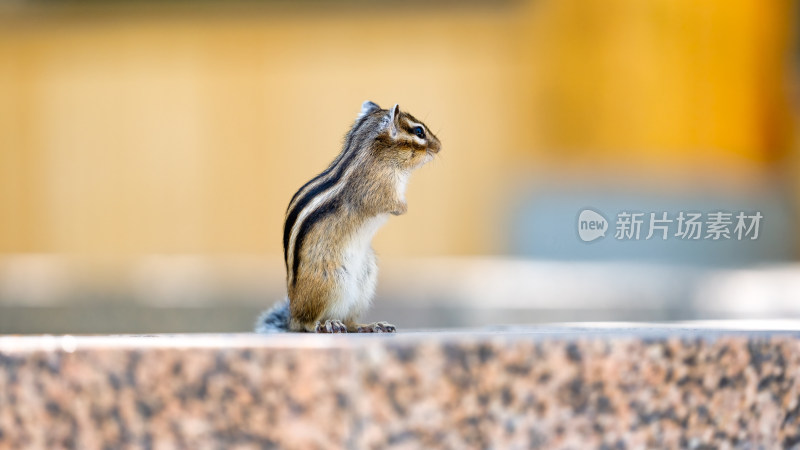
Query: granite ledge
pixel 712 385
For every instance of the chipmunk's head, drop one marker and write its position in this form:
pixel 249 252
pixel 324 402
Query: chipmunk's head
pixel 399 140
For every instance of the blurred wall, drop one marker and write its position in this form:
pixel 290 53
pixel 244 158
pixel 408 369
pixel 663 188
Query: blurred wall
pixel 129 130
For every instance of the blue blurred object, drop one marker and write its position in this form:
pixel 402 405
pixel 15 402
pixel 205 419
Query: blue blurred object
pixel 544 225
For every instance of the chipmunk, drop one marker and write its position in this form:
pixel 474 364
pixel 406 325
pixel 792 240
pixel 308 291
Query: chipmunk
pixel 331 271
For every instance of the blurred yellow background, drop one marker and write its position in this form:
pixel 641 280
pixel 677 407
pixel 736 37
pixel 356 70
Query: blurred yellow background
pixel 136 128
pixel 148 151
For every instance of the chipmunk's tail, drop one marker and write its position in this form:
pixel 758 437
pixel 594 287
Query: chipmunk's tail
pixel 275 319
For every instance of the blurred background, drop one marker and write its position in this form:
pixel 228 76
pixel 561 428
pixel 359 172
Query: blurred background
pixel 148 151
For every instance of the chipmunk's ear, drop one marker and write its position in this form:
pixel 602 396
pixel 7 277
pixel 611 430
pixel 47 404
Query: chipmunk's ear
pixel 394 120
pixel 368 107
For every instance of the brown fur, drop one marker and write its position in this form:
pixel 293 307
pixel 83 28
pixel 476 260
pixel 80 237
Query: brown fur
pixel 385 153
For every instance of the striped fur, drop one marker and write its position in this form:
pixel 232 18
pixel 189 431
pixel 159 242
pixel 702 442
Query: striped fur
pixel 318 185
pixel 330 220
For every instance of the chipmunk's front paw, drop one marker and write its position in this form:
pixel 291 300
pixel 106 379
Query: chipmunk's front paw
pixel 377 327
pixel 401 209
pixel 330 326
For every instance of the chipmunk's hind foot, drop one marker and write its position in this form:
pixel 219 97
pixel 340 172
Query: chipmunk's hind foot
pixel 330 326
pixel 376 327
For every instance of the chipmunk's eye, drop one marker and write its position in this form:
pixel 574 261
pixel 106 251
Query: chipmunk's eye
pixel 419 132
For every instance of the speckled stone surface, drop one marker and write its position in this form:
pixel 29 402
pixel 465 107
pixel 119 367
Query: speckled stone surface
pixel 516 388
